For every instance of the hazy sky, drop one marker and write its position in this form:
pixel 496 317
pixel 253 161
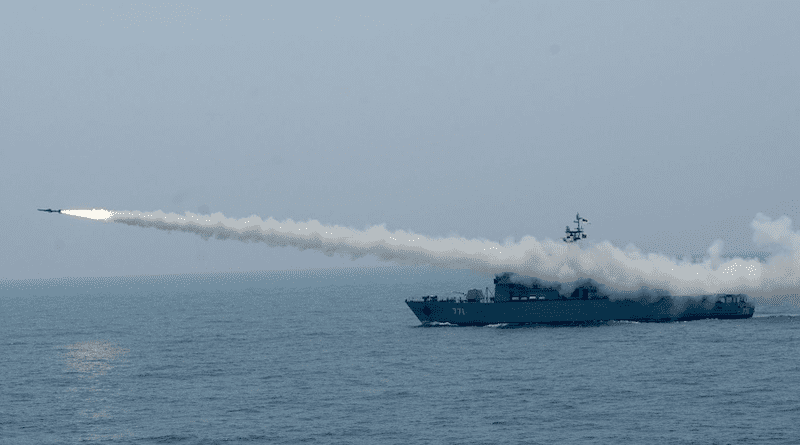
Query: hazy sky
pixel 667 125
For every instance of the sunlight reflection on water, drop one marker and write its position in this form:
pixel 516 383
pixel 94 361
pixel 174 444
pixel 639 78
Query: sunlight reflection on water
pixel 94 358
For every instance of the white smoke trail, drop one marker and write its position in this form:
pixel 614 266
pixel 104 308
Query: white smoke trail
pixel 623 269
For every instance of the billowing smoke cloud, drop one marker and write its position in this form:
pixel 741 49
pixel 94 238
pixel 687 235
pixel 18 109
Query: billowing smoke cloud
pixel 675 304
pixel 623 269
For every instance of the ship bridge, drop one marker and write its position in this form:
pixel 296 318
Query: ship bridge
pixel 509 289
pixel 737 299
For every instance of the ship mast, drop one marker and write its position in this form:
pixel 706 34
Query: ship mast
pixel 577 234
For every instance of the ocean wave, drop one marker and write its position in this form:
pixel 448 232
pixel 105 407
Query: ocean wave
pixel 436 324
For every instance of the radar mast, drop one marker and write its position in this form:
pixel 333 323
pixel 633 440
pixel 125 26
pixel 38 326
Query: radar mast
pixel 577 234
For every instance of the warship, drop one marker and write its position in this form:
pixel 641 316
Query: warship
pixel 519 300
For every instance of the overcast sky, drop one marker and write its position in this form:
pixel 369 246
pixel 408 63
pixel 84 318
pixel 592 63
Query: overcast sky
pixel 668 125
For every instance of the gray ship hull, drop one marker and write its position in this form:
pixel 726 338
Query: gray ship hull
pixel 561 312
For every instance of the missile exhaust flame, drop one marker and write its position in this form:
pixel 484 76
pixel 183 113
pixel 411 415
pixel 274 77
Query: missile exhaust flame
pixel 97 214
pixel 623 269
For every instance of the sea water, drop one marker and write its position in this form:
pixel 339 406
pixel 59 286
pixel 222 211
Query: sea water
pixel 345 361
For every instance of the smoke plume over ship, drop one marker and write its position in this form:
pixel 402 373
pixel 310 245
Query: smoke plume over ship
pixel 625 270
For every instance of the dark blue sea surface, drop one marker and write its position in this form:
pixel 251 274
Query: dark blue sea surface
pixel 349 363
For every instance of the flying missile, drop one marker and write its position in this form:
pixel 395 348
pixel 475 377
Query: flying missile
pixel 49 210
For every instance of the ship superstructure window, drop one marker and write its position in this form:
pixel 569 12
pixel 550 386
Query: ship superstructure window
pixel 515 298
